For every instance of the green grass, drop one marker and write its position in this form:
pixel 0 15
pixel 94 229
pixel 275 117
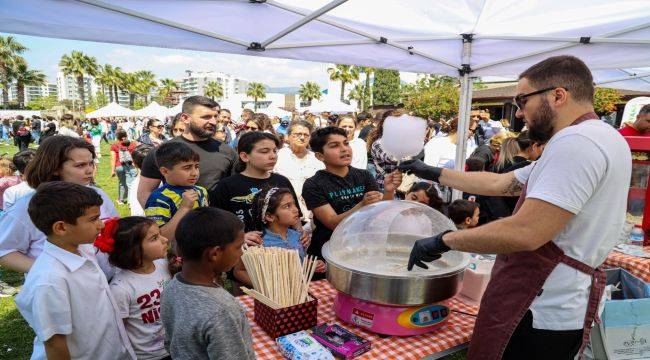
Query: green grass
pixel 16 337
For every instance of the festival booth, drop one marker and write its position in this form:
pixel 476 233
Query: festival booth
pixel 153 110
pixel 330 105
pixel 111 110
pixel 464 39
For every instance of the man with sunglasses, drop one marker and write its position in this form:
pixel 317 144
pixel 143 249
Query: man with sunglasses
pixel 546 284
pixel 216 159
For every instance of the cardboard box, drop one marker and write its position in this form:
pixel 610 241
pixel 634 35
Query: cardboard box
pixel 624 333
pixel 280 322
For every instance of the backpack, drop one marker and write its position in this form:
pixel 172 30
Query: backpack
pixel 124 156
pixel 22 130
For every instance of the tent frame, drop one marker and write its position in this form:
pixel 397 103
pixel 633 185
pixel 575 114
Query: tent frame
pixel 464 69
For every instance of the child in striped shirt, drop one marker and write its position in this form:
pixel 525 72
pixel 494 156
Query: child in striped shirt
pixel 167 205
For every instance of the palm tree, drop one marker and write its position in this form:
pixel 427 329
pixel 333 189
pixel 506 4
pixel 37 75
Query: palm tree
pixel 128 82
pixel 256 91
pixel 358 94
pixel 344 74
pixel 166 88
pixel 213 90
pixel 26 77
pixel 116 81
pixel 309 91
pixel 104 79
pixel 9 50
pixel 79 64
pixel 368 89
pixel 145 82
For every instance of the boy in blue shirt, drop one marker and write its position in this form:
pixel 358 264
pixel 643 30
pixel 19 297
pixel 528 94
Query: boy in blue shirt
pixel 167 205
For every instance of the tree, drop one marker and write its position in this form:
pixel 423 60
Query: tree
pixel 117 76
pixel 432 97
pixel 79 64
pixel 309 91
pixel 99 101
pixel 605 100
pixel 386 87
pixel 358 94
pixel 145 82
pixel 166 88
pixel 367 94
pixel 213 90
pixel 105 78
pixel 42 103
pixel 256 91
pixel 10 49
pixel 26 77
pixel 345 74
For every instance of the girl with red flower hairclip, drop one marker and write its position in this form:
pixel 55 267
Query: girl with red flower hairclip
pixel 136 247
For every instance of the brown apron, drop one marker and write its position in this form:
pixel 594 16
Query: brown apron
pixel 517 278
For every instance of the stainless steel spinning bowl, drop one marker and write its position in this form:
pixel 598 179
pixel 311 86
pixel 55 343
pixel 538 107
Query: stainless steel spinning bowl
pixel 392 290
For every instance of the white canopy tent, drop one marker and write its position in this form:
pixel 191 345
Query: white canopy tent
pixel 462 38
pixel 153 110
pixel 330 104
pixel 175 110
pixel 111 110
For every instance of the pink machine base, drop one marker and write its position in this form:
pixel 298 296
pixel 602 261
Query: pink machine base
pixel 390 320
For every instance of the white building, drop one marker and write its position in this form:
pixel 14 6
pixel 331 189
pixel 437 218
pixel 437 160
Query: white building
pixel 194 83
pixel 68 87
pixel 31 92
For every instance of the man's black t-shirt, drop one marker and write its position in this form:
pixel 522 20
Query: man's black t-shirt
pixel 365 131
pixel 216 161
pixel 235 194
pixel 342 193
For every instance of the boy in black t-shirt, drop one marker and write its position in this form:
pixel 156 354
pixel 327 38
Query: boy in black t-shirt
pixel 339 190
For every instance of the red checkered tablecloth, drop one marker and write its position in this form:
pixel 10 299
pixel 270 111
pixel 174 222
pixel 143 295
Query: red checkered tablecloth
pixel 637 266
pixel 456 331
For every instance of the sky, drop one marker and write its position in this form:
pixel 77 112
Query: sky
pixel 44 54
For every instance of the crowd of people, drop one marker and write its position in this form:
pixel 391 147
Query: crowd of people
pixel 199 187
pixel 259 181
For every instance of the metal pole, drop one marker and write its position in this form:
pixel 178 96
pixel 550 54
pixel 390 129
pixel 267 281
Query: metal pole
pixel 302 22
pixel 464 111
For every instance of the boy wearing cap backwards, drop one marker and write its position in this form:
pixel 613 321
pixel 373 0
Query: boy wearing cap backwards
pixel 66 298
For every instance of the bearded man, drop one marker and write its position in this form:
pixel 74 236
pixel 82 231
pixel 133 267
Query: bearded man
pixel 546 284
pixel 199 114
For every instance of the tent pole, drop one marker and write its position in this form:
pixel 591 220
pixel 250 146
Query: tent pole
pixel 624 78
pixel 162 21
pixel 563 46
pixel 464 111
pixel 323 10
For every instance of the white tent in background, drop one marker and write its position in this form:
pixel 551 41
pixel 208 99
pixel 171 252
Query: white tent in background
pixel 153 110
pixel 460 38
pixel 272 110
pixel 111 110
pixel 175 110
pixel 330 104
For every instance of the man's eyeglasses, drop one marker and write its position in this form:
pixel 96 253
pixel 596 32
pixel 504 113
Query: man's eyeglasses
pixel 521 99
pixel 159 126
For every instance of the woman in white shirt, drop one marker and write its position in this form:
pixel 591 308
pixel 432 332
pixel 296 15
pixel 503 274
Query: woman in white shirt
pixel 440 151
pixel 296 162
pixel 60 158
pixel 359 149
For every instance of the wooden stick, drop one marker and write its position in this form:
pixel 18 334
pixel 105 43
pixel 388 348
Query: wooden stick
pixel 261 298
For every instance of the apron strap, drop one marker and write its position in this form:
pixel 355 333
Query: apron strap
pixel 598 280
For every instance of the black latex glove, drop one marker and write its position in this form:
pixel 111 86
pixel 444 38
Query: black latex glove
pixel 427 250
pixel 420 169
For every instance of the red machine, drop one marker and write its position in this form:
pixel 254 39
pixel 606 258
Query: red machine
pixel 637 211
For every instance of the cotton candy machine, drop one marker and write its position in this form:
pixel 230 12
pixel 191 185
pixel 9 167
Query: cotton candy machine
pixel 367 257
